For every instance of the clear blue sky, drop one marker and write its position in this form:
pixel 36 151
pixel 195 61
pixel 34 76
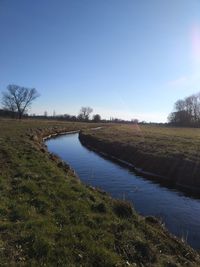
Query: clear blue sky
pixel 124 58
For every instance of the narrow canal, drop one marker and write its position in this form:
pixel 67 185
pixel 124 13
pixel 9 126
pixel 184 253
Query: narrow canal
pixel 180 213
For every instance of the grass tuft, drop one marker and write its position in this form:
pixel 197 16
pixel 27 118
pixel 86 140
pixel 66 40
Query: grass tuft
pixel 122 209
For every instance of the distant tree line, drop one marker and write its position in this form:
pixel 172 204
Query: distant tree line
pixel 186 112
pixel 8 114
pixel 16 101
pixel 83 116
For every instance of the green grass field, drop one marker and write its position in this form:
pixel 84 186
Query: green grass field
pixel 167 151
pixel 49 218
pixel 161 141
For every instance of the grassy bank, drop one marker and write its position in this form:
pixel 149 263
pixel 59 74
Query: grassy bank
pixel 172 153
pixel 49 218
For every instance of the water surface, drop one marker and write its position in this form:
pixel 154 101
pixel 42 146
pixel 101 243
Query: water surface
pixel 180 213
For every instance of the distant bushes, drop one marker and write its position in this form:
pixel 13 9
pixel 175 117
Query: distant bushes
pixel 8 114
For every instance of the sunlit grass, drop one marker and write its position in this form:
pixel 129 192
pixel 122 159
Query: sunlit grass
pixel 155 139
pixel 49 218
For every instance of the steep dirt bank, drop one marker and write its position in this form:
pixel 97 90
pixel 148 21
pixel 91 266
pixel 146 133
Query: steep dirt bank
pixel 181 173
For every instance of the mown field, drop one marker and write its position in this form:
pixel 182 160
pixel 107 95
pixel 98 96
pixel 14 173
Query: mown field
pixel 49 218
pixel 173 153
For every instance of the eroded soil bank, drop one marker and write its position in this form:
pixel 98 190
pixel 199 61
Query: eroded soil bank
pixel 174 169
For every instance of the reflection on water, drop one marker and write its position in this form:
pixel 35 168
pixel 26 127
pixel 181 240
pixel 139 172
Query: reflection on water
pixel 181 214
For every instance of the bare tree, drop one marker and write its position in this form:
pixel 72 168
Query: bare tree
pixel 85 113
pixel 186 112
pixel 180 105
pixel 18 99
pixel 8 103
